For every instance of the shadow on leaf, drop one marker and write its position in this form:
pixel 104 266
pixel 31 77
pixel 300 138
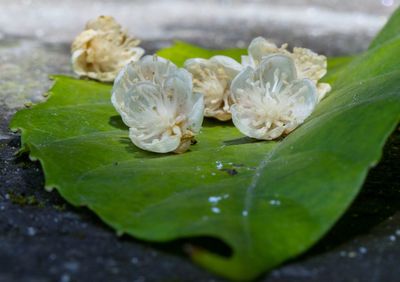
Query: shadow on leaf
pixel 139 153
pixel 116 121
pixel 240 141
pixel 208 122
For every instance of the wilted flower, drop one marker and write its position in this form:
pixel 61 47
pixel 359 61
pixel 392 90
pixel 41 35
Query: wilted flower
pixel 102 49
pixel 213 78
pixel 308 64
pixel 270 101
pixel 156 102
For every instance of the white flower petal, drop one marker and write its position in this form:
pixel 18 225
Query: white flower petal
pixel 308 64
pixel 242 121
pixel 241 86
pixel 78 62
pixel 101 50
pixel 103 23
pixel 269 101
pixel 196 114
pixel 155 99
pixel 212 79
pixel 231 67
pixel 181 81
pixel 323 89
pixel 166 144
pixel 154 68
pixel 247 61
pixel 259 48
pixel 273 65
pixel 137 52
pixel 137 107
pixel 305 98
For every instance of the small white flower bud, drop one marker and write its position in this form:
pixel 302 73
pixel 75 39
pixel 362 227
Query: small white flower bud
pixel 102 49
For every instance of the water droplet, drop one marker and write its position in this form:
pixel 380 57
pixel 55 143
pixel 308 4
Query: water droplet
pixel 363 250
pixel 245 213
pixel 275 203
pixel 398 232
pixel 72 266
pixel 219 165
pixel 215 210
pixel 352 254
pixel 213 173
pixel 31 231
pixel 220 148
pixel 392 238
pixel 214 199
pixel 65 278
pixel 135 260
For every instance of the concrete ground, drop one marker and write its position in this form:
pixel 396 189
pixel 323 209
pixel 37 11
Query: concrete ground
pixel 42 238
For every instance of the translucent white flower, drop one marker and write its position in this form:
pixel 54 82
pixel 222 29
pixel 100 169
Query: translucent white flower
pixel 102 49
pixel 308 64
pixel 270 101
pixel 156 101
pixel 212 78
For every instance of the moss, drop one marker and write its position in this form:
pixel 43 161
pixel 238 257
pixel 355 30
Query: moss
pixel 22 200
pixel 61 207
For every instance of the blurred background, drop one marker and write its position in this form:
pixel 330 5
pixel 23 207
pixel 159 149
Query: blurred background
pixel 338 25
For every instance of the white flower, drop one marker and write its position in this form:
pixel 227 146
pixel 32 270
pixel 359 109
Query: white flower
pixel 270 101
pixel 308 64
pixel 156 102
pixel 212 78
pixel 102 49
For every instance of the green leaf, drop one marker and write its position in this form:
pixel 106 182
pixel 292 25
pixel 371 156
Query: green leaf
pixel 275 199
pixel 390 31
pixel 180 51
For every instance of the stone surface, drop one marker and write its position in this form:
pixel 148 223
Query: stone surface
pixel 25 66
pixel 42 238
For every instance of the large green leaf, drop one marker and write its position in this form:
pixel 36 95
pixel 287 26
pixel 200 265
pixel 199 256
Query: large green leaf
pixel 389 32
pixel 270 202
